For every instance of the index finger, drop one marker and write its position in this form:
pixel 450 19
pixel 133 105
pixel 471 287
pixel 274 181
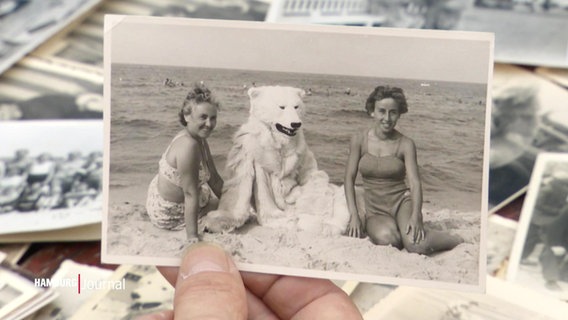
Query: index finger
pixel 312 297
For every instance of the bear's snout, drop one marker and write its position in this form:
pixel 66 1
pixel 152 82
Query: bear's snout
pixel 296 125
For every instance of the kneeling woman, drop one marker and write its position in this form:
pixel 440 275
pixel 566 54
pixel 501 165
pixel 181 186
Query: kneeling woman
pixel 386 159
pixel 181 191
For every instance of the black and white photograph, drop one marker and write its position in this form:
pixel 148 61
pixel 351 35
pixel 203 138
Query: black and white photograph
pixel 50 174
pixel 25 24
pixel 539 259
pixel 281 167
pixel 502 301
pixel 84 44
pixel 528 32
pixel 41 89
pixel 528 116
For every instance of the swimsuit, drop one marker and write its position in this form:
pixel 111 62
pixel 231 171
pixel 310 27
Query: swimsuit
pixel 167 214
pixel 383 181
pixel 39 172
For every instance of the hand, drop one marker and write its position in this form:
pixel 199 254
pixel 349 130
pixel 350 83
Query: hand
pixel 354 227
pixel 415 229
pixel 209 286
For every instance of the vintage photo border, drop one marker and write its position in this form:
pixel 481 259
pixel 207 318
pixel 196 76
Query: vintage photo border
pixel 483 57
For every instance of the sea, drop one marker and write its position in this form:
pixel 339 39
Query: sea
pixel 446 120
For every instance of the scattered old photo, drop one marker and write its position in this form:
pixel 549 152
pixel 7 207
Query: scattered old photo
pixel 529 116
pixel 84 44
pixel 558 75
pixel 13 252
pixel 286 113
pixel 539 259
pixel 500 237
pixel 42 89
pixel 26 24
pixel 146 292
pixel 18 295
pixel 527 32
pixel 502 301
pixel 50 174
pixel 69 300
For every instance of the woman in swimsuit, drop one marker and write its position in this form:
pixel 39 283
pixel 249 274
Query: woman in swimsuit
pixel 181 190
pixel 387 161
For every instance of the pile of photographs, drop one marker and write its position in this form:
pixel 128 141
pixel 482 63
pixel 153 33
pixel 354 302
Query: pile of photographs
pixel 90 100
pixel 19 296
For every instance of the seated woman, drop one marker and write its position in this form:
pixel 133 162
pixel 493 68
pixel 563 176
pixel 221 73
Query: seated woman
pixel 386 158
pixel 12 184
pixel 41 170
pixel 79 195
pixel 68 171
pixel 39 193
pixel 181 190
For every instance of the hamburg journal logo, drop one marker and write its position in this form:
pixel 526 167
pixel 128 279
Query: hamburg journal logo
pixel 81 284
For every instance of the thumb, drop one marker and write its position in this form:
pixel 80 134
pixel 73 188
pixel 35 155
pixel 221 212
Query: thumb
pixel 209 286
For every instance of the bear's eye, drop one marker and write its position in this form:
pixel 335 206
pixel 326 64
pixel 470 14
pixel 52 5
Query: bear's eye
pixel 282 107
pixel 296 107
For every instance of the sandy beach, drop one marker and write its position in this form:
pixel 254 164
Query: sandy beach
pixel 132 234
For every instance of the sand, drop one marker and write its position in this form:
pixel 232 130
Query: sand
pixel 132 234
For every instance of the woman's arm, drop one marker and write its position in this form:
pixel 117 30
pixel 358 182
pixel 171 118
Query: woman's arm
pixel 188 157
pixel 215 182
pixel 354 229
pixel 415 226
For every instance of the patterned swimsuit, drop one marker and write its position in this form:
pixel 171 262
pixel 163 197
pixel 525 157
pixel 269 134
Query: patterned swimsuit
pixel 167 214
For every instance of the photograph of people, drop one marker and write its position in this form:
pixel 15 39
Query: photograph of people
pixel 527 118
pixel 539 259
pixel 52 174
pixel 265 178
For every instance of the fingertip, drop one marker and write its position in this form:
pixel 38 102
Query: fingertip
pixel 205 257
pixel 209 286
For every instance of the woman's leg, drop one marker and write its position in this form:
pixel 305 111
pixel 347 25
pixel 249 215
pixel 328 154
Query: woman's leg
pixel 382 231
pixel 434 241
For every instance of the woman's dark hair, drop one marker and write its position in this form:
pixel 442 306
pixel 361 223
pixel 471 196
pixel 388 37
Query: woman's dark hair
pixel 199 94
pixel 383 92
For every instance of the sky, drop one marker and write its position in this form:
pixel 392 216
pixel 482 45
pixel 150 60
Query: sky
pixel 355 51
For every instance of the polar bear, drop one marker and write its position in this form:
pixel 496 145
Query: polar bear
pixel 273 174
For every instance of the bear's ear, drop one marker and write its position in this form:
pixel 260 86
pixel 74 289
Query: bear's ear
pixel 301 93
pixel 253 92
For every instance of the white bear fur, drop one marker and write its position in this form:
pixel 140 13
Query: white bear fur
pixel 274 175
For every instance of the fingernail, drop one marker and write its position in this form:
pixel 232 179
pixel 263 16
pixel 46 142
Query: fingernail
pixel 155 316
pixel 204 257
